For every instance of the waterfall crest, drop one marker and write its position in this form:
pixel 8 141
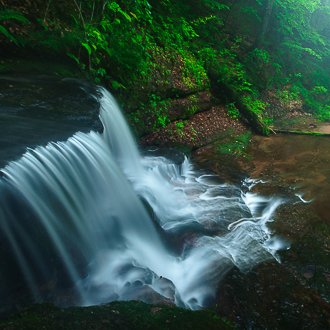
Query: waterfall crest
pixel 92 217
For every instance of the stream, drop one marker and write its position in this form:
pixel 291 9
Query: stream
pixel 87 218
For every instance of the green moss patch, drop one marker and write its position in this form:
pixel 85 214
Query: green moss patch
pixel 235 144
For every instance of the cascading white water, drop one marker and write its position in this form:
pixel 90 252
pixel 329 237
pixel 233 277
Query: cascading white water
pixel 74 214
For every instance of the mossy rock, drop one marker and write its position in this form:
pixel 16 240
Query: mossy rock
pixel 116 315
pixel 177 74
pixel 184 108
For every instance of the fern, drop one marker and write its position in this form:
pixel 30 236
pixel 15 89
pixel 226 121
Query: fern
pixel 13 15
pixel 8 15
pixel 8 35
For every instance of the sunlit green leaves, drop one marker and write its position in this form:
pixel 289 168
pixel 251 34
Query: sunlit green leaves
pixel 87 47
pixel 114 7
pixel 262 55
pixel 216 5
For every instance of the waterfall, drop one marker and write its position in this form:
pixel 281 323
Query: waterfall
pixel 89 220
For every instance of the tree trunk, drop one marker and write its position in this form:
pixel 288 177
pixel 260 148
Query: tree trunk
pixel 265 23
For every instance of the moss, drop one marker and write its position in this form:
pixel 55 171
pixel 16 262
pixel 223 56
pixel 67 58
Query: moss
pixel 176 73
pixel 117 315
pixel 233 112
pixel 234 144
pixel 194 76
pixel 192 107
pixel 297 132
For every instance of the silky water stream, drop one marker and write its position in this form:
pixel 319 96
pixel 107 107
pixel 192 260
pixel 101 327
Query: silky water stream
pixel 90 220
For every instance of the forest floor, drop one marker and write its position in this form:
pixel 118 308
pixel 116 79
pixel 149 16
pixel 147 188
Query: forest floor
pixel 200 130
pixel 208 126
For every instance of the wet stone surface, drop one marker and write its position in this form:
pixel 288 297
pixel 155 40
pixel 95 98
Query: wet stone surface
pixel 37 109
pixel 295 293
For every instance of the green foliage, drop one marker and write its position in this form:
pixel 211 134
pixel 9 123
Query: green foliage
pixel 159 110
pixel 111 43
pixel 254 109
pixel 232 110
pixel 317 100
pixel 319 90
pixel 155 110
pixel 287 96
pixel 294 50
pixel 323 112
pixel 232 72
pixel 151 115
pixel 304 44
pixel 170 48
pixel 193 133
pixel 179 126
pixel 254 105
pixel 11 15
pixel 262 68
pixel 251 11
pixel 261 55
pixel 225 65
pixel 194 75
pixel 215 5
pixel 236 145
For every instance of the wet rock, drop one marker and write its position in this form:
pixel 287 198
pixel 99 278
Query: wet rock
pixel 288 305
pixel 327 276
pixel 155 310
pixel 131 315
pixel 309 272
pixel 184 108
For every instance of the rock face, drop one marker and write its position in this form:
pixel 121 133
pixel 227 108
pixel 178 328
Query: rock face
pixel 173 74
pixel 183 108
pixel 269 297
